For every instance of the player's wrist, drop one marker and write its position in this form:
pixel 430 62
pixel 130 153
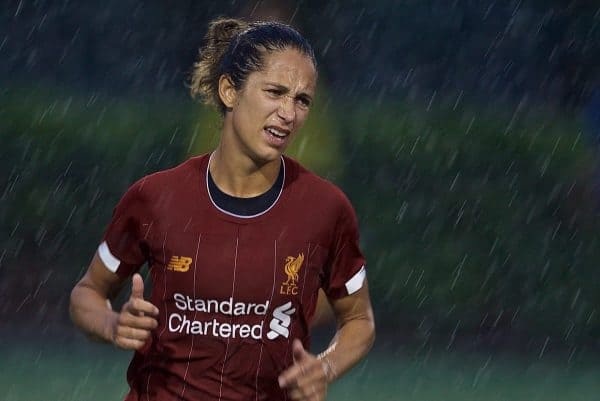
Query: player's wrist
pixel 328 367
pixel 110 327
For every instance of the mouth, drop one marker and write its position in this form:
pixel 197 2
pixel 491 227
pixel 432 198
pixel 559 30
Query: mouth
pixel 277 132
pixel 276 135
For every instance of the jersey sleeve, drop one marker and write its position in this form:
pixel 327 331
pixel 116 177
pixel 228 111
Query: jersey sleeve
pixel 345 273
pixel 123 247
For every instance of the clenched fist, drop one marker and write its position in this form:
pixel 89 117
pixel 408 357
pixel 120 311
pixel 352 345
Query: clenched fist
pixel 136 320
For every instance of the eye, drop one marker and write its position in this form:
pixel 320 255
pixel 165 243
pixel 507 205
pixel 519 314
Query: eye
pixel 304 102
pixel 274 92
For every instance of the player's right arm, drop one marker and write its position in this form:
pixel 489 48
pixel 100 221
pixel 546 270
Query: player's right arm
pixel 91 310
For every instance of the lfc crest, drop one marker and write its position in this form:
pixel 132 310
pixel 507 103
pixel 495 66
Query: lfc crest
pixel 292 267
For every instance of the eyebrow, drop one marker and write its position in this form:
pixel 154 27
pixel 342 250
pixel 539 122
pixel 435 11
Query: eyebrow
pixel 286 89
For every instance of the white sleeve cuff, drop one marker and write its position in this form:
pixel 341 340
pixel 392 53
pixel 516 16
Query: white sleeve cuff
pixel 356 282
pixel 109 260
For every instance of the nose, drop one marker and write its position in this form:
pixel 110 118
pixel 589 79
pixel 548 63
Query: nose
pixel 287 109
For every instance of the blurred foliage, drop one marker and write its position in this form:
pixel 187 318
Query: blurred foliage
pixel 66 162
pixel 475 220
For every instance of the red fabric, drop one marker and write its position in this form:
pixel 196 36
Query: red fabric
pixel 226 276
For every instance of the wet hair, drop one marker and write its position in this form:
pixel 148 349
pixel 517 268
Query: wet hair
pixel 236 48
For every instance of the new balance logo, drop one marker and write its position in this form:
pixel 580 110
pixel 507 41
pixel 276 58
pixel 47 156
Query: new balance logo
pixel 179 263
pixel 281 321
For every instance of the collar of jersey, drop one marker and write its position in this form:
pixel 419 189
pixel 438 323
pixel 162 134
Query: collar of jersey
pixel 241 216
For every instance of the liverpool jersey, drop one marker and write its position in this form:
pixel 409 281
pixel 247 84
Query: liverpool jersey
pixel 233 291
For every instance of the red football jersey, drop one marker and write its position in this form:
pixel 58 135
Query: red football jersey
pixel 233 291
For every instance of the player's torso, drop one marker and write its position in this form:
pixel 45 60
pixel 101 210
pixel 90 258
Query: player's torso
pixel 233 294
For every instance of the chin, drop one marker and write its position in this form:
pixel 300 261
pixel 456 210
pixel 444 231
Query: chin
pixel 268 156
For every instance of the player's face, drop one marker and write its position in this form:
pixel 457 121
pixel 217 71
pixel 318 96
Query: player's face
pixel 273 104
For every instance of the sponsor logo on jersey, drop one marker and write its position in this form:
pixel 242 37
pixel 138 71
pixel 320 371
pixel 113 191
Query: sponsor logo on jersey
pixel 179 263
pixel 292 267
pixel 281 321
pixel 219 322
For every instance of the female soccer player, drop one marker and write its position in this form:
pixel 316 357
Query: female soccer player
pixel 238 243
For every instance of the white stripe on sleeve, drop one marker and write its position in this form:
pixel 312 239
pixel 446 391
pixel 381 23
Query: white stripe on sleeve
pixel 108 258
pixel 356 282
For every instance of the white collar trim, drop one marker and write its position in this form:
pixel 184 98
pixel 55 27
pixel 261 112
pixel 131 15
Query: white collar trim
pixel 238 215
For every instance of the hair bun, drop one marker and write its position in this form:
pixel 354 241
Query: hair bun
pixel 224 29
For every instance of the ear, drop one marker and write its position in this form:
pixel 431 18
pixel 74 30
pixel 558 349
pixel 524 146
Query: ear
pixel 227 92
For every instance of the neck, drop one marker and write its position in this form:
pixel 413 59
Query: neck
pixel 238 175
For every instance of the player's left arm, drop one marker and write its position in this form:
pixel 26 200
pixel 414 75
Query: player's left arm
pixel 354 336
pixel 308 377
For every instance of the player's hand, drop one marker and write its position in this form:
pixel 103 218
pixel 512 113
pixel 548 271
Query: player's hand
pixel 137 319
pixel 306 379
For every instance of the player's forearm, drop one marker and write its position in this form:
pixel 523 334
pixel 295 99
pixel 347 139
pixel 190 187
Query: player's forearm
pixel 92 313
pixel 351 343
